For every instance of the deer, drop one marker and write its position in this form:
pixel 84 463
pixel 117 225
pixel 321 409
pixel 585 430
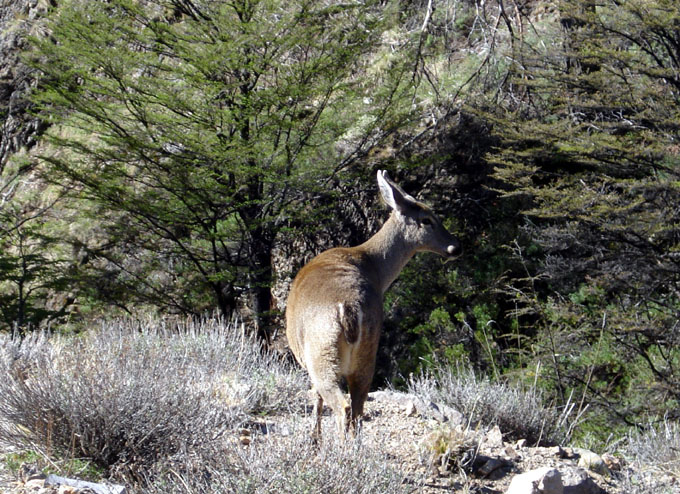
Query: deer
pixel 334 312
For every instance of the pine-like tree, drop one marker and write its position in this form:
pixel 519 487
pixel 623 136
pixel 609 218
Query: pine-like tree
pixel 589 137
pixel 194 131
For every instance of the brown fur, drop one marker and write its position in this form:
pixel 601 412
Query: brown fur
pixel 335 307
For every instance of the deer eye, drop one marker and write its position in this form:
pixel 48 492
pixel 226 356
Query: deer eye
pixel 426 221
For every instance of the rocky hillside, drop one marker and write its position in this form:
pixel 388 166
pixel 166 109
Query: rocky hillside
pixel 18 19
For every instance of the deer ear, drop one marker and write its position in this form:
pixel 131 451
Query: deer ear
pixel 392 194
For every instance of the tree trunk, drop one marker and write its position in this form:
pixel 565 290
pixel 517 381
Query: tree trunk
pixel 260 281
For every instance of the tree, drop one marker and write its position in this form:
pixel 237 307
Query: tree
pixel 196 130
pixel 589 139
pixel 33 269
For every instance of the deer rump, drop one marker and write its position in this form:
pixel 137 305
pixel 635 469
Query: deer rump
pixel 336 284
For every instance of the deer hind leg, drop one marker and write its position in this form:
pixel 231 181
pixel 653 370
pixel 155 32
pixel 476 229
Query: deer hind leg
pixel 326 384
pixel 318 409
pixel 335 399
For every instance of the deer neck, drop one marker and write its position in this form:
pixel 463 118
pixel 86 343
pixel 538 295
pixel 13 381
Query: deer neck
pixel 388 252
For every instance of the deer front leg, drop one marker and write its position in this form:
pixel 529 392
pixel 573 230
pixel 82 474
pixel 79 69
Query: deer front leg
pixel 359 385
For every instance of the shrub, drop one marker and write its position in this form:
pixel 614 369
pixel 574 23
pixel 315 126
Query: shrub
pixel 130 393
pixel 282 463
pixel 520 414
pixel 654 458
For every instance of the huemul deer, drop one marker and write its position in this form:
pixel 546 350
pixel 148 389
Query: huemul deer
pixel 335 307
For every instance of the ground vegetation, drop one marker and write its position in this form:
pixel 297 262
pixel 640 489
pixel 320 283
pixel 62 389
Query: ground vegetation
pixel 182 157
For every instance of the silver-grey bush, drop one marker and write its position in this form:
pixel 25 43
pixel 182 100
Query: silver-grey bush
pixel 129 393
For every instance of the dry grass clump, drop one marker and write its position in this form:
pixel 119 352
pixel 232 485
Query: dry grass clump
pixel 283 463
pixel 450 448
pixel 520 414
pixel 129 394
pixel 654 459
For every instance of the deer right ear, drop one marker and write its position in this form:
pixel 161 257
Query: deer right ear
pixel 392 194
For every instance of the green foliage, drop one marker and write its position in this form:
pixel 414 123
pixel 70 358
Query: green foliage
pixel 586 141
pixel 15 460
pixel 34 267
pixel 461 312
pixel 195 131
pixel 72 467
pixel 426 350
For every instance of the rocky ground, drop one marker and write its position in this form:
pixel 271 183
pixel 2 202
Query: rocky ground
pixel 426 442
pixel 410 430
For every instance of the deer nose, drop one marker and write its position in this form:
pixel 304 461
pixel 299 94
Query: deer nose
pixel 453 249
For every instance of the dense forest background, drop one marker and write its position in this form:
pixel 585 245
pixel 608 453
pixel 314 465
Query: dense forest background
pixel 181 157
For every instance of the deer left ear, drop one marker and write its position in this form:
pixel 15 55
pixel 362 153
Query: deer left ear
pixel 392 194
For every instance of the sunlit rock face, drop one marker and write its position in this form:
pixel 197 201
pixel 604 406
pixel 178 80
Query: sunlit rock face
pixel 18 20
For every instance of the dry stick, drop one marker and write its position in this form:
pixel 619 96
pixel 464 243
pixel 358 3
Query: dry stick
pixel 427 16
pixel 481 66
pixel 179 477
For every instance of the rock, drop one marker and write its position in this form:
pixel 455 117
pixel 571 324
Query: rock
pixel 67 489
pixel 491 468
pixel 427 409
pixel 28 472
pixel 493 438
pixel 511 453
pixel 612 462
pixel 577 481
pixel 551 483
pixel 410 409
pixel 557 451
pixel 447 414
pixel 592 461
pixel 569 453
pixel 34 484
pixel 544 480
pixel 55 480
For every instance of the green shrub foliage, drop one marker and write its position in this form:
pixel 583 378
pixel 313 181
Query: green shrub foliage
pixel 194 131
pixel 588 138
